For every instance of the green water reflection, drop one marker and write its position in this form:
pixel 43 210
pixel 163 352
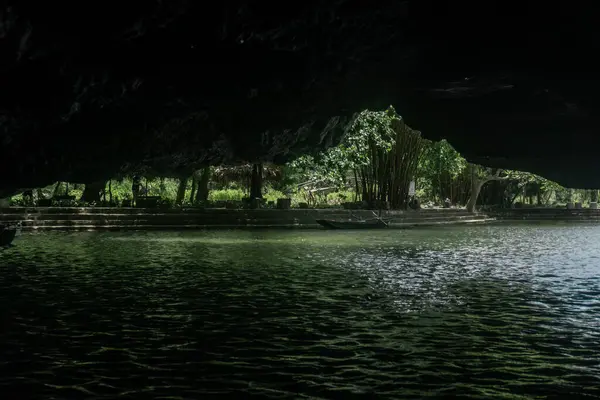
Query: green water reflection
pixel 481 312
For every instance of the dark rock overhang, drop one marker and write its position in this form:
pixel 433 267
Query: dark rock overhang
pixel 88 88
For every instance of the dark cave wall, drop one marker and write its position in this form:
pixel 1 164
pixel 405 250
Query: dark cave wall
pixel 92 88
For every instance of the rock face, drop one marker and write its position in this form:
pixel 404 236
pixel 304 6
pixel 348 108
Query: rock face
pixel 90 88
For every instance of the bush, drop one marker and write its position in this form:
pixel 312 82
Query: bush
pixel 226 195
pixel 17 201
pixel 273 195
pixel 338 198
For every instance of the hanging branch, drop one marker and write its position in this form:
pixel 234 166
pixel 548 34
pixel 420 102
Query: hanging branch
pixel 477 183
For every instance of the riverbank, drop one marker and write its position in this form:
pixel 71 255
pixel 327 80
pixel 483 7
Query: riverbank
pixel 546 214
pixel 99 218
pixel 95 218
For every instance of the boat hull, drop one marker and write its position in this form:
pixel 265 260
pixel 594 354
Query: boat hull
pixel 330 224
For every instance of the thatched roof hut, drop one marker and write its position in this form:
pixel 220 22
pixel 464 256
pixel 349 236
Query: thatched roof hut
pixel 243 174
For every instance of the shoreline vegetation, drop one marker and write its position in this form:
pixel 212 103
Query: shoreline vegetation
pixel 372 168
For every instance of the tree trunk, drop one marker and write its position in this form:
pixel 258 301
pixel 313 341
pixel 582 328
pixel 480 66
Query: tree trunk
pixel 476 185
pixel 512 201
pixel 181 191
pixel 357 190
pixel 475 189
pixel 256 182
pixel 363 181
pixel 194 187
pixel 202 191
pixel 162 187
pixel 594 196
pixel 93 191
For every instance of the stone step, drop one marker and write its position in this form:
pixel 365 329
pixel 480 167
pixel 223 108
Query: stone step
pixel 125 211
pixel 442 222
pixel 170 216
pixel 93 227
pixel 557 213
pixel 547 215
pixel 132 218
pixel 441 219
pixel 158 227
pixel 134 211
pixel 169 220
pixel 567 213
pixel 210 216
pixel 542 210
pixel 532 218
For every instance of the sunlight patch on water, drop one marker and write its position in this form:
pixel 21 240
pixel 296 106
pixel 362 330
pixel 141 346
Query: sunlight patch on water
pixel 313 239
pixel 471 312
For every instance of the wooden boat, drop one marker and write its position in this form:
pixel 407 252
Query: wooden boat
pixel 376 223
pixel 7 235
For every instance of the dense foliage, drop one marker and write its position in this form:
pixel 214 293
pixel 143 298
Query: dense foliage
pixel 374 164
pixel 442 174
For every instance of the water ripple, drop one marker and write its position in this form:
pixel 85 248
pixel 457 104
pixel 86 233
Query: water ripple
pixel 477 312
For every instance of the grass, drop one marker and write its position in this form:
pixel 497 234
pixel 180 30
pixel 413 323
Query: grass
pixel 167 189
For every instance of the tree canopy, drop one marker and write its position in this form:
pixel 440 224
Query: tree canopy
pixel 374 164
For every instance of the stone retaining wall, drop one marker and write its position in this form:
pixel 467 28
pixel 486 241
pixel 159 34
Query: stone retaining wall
pixel 547 214
pixel 71 218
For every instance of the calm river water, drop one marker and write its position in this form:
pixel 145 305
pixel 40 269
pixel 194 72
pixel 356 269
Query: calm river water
pixel 478 312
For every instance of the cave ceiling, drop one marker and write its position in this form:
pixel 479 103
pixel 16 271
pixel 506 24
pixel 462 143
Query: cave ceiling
pixel 89 89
